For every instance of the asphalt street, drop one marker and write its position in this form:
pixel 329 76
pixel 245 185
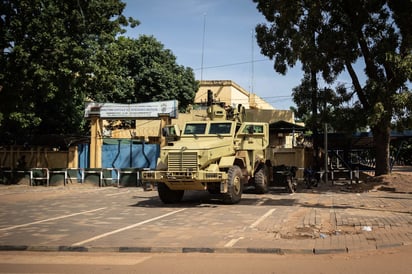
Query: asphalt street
pixel 111 219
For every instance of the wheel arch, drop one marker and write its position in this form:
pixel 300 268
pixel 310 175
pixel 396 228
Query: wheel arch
pixel 229 161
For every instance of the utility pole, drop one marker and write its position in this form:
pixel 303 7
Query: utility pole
pixel 203 46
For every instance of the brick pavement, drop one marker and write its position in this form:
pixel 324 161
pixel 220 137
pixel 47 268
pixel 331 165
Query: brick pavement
pixel 340 222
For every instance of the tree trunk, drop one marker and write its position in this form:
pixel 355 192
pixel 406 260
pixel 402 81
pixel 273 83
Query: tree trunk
pixel 381 139
pixel 315 125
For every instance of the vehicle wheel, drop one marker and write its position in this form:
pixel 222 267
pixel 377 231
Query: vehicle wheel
pixel 235 186
pixel 261 181
pixel 169 196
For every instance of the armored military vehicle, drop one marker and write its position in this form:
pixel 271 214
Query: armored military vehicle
pixel 221 154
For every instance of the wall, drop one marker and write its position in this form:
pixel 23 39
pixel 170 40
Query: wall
pixel 34 157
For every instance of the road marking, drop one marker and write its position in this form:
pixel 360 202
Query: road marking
pixel 127 227
pixel 233 242
pixel 118 193
pixel 264 216
pixel 261 202
pixel 51 219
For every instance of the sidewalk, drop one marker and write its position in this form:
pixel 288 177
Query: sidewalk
pixel 345 217
pixel 331 222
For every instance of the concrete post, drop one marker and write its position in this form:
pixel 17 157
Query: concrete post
pixel 96 142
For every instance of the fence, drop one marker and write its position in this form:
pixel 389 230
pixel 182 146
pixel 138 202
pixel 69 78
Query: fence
pixel 48 177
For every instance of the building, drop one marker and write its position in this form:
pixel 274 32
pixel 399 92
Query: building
pixel 230 93
pixel 257 109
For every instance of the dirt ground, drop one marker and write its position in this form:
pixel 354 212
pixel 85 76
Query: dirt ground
pixel 396 182
pixel 400 181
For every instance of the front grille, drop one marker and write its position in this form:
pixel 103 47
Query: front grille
pixel 182 161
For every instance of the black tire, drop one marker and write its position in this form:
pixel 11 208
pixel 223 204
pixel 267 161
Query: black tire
pixel 235 186
pixel 261 181
pixel 169 196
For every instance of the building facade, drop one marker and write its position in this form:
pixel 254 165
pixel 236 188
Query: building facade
pixel 230 93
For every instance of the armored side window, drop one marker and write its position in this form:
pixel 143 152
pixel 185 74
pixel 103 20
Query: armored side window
pixel 258 128
pixel 252 129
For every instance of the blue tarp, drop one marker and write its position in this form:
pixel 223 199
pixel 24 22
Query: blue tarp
pixel 130 155
pixel 83 150
pixel 121 153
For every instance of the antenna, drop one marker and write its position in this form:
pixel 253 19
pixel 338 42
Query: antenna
pixel 253 63
pixel 203 46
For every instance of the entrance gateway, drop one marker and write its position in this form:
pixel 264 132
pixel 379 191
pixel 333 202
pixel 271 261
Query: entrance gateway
pixel 98 112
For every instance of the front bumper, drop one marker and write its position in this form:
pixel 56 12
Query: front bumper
pixel 184 180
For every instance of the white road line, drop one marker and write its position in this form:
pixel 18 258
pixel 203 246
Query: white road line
pixel 127 227
pixel 264 216
pixel 261 202
pixel 233 242
pixel 51 219
pixel 118 193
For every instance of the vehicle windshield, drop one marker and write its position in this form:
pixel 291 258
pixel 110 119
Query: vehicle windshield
pixel 195 129
pixel 220 128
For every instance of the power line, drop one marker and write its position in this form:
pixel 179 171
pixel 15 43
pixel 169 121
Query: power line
pixel 279 96
pixel 232 64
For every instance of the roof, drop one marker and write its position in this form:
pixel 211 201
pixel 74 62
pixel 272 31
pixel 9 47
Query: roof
pixel 285 127
pixel 340 140
pixel 359 140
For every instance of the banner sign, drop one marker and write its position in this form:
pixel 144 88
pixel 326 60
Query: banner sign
pixel 125 111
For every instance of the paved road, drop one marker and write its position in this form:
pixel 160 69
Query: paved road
pixel 131 220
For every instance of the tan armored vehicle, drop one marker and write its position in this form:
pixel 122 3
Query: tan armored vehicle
pixel 222 155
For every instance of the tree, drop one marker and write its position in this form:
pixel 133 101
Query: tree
pixel 144 72
pixel 56 54
pixel 47 59
pixel 331 37
pixel 155 72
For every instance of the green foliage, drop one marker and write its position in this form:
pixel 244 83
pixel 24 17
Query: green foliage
pixel 47 50
pixel 332 37
pixel 55 55
pixel 140 70
pixel 155 73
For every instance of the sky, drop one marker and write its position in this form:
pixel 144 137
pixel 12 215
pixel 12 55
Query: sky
pixel 218 36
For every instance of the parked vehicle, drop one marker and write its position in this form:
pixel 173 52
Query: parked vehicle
pixel 221 154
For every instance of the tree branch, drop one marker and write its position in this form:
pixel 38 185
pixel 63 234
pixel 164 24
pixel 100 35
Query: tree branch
pixel 356 84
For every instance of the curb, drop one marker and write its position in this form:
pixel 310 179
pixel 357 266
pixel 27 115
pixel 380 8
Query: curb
pixel 250 250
